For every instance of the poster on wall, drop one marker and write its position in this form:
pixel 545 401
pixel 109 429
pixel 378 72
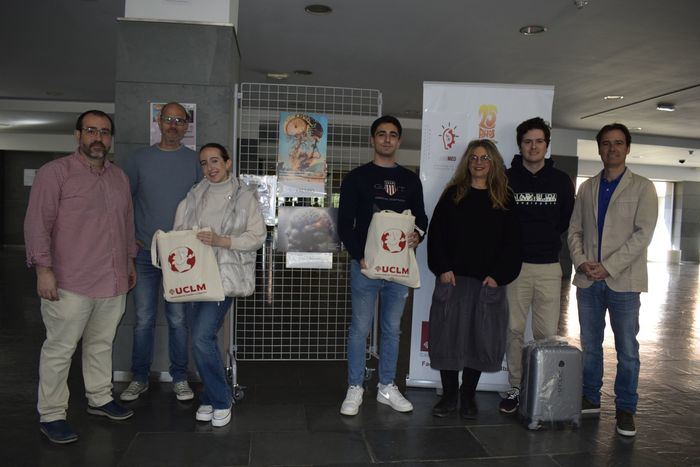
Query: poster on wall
pixel 453 115
pixel 307 229
pixel 301 161
pixel 190 139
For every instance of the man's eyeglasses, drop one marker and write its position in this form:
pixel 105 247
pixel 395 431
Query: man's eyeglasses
pixel 176 120
pixel 474 158
pixel 92 131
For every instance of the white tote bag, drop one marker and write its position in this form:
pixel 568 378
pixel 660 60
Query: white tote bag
pixel 190 270
pixel 387 253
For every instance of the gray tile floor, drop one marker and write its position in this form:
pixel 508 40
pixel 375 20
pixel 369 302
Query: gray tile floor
pixel 290 413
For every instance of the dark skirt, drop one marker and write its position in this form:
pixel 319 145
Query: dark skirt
pixel 468 325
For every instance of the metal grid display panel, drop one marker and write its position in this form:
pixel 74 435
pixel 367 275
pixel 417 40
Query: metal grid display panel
pixel 299 314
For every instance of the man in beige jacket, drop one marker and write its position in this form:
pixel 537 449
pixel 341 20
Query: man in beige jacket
pixel 611 226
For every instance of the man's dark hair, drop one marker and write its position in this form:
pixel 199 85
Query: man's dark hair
pixel 535 123
pixel 222 150
pixel 611 127
pixel 385 119
pixel 99 113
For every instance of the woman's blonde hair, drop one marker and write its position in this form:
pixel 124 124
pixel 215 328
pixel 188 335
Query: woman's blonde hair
pixel 496 180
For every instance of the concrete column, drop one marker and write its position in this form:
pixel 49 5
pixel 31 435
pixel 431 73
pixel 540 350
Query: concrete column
pixel 162 61
pixel 686 220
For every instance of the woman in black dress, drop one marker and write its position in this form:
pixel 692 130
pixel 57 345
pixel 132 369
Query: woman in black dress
pixel 474 251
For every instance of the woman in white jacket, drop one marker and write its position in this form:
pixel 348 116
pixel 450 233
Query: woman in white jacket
pixel 237 230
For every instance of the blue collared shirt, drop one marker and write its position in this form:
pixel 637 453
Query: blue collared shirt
pixel 605 192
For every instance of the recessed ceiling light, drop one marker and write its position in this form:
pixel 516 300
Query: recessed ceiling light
pixel 303 72
pixel 532 29
pixel 613 97
pixel 278 76
pixel 318 9
pixel 636 128
pixel 665 107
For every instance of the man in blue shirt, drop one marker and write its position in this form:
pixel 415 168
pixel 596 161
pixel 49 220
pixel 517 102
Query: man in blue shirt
pixel 160 177
pixel 611 227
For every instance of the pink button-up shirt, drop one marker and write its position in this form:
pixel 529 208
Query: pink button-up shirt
pixel 80 223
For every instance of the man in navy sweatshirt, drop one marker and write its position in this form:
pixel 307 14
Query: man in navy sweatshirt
pixel 376 186
pixel 544 198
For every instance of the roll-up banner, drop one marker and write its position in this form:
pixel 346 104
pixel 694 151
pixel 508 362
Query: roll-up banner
pixel 453 115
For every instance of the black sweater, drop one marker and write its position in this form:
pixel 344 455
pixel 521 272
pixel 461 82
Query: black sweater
pixel 473 239
pixel 371 188
pixel 544 203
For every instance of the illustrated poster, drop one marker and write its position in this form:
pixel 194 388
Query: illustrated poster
pixel 301 162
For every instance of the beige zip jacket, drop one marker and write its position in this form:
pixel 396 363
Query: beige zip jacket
pixel 627 231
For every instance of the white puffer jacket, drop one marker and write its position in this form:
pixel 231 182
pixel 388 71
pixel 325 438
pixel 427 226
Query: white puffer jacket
pixel 242 222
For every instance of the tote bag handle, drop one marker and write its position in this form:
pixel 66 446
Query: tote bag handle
pixel 154 249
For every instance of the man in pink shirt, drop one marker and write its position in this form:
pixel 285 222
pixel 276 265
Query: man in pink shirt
pixel 79 236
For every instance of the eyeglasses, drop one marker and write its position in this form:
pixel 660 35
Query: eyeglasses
pixel 176 120
pixel 484 158
pixel 92 131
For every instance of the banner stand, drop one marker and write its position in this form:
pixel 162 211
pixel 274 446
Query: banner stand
pixel 453 115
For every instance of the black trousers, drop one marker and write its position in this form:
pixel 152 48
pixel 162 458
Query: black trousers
pixel 450 382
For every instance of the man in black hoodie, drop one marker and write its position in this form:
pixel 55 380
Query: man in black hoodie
pixel 544 199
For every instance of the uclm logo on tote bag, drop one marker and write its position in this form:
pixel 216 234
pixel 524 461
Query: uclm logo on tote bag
pixel 191 273
pixel 387 254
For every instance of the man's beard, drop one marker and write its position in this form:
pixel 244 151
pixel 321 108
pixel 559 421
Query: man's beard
pixel 96 150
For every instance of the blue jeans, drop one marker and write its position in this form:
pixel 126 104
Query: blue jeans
pixel 624 320
pixel 204 320
pixel 392 301
pixel 146 295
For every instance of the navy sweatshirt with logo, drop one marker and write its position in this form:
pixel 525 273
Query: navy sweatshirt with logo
pixel 544 203
pixel 371 188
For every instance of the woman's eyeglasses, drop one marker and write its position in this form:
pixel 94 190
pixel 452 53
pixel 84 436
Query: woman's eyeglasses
pixel 484 158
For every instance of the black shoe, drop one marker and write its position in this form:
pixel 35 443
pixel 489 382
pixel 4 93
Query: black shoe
pixel 625 423
pixel 445 406
pixel 589 408
pixel 58 432
pixel 468 409
pixel 509 404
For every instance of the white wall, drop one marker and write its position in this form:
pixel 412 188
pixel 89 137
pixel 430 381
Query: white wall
pixel 207 11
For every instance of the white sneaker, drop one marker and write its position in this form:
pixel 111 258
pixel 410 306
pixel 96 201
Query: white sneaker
pixel 204 413
pixel 131 393
pixel 389 394
pixel 182 390
pixel 353 400
pixel 221 417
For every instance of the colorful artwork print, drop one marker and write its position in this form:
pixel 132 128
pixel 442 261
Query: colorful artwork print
pixel 308 229
pixel 301 163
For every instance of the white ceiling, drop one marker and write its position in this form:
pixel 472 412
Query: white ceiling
pixel 62 51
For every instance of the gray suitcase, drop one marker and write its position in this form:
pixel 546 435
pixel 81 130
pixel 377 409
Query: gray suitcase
pixel 550 392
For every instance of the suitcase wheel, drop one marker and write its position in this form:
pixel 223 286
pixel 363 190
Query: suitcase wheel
pixel 534 425
pixel 238 394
